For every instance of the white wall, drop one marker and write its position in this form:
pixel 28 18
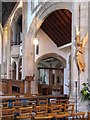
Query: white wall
pixel 46 45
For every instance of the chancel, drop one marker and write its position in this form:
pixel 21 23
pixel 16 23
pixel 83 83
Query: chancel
pixel 44 60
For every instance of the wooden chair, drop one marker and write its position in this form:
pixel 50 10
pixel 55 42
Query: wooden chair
pixel 57 111
pixel 42 113
pixel 5 104
pixel 88 116
pixel 25 112
pixel 16 104
pixel 54 102
pixel 43 102
pixel 69 108
pixel 8 113
pixel 64 101
pixel 31 103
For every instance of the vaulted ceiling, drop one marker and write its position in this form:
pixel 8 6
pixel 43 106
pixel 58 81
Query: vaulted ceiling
pixel 7 8
pixel 58 26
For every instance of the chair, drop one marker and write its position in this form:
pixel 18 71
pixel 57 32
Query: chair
pixel 8 113
pixel 25 112
pixel 88 116
pixel 69 108
pixel 5 105
pixel 42 113
pixel 43 102
pixel 16 104
pixel 54 102
pixel 57 111
pixel 64 101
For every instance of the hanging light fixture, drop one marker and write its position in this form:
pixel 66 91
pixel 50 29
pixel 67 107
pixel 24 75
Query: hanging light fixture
pixel 36 41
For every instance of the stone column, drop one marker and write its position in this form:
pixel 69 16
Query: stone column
pixel 8 53
pixel 74 69
pixel 27 46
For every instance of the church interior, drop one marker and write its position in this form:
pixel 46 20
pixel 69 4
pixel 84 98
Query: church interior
pixel 44 60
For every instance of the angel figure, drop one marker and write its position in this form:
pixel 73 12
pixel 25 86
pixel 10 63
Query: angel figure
pixel 80 47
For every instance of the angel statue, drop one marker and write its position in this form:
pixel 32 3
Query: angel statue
pixel 79 53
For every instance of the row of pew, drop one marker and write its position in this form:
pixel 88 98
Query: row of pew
pixel 55 109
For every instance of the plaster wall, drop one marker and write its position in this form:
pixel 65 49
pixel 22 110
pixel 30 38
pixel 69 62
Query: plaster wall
pixel 46 45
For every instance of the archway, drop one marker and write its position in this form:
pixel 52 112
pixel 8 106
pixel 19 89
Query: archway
pixel 41 15
pixel 50 74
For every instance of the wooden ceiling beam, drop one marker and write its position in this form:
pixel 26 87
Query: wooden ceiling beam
pixel 59 18
pixel 58 27
pixel 54 31
pixel 60 32
pixel 65 31
pixel 68 14
pixel 65 19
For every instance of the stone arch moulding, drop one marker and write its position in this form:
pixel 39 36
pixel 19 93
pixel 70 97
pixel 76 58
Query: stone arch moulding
pixel 46 9
pixel 16 15
pixel 55 55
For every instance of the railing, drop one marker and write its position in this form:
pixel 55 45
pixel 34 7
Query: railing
pixel 15 51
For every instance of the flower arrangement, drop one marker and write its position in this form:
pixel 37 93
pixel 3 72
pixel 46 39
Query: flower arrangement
pixel 85 91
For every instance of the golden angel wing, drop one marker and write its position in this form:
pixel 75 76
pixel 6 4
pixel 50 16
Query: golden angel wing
pixel 84 40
